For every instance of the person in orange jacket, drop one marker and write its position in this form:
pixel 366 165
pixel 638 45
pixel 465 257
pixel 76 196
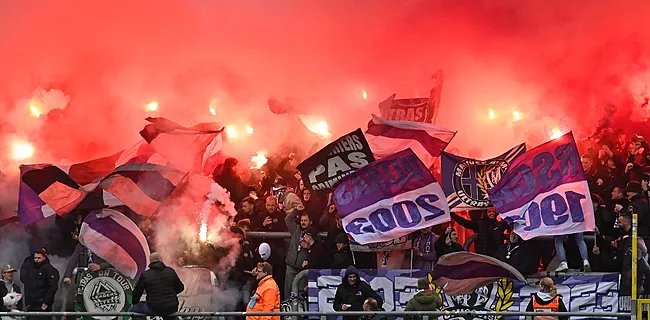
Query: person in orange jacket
pixel 267 295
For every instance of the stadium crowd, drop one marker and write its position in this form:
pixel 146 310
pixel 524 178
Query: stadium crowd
pixel 617 167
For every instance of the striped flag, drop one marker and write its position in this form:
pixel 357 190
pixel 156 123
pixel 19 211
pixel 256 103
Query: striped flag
pixel 190 149
pixel 46 189
pixel 142 186
pixel 116 239
pixel 386 137
pixel 460 273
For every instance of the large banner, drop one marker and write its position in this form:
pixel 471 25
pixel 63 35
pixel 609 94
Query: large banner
pixel 415 109
pixel 581 293
pixel 336 160
pixel 390 198
pixel 544 192
pixel 466 181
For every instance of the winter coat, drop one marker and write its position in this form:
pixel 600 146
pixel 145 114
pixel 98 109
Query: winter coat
pixel 317 256
pixel 423 301
pixel 354 295
pixel 490 233
pixel 342 258
pixel 639 205
pixel 520 255
pixel 442 248
pixel 265 299
pixel 295 254
pixel 542 301
pixel 4 292
pixel 162 286
pixel 80 259
pixel 41 284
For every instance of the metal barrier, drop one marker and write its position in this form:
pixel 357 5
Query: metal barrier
pixel 424 314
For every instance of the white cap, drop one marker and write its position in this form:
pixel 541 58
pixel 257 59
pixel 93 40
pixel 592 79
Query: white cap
pixel 265 251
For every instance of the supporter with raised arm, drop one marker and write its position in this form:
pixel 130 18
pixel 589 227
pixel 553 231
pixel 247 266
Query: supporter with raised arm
pixel 295 254
pixel 448 243
pixel 520 254
pixel 353 292
pixel 489 231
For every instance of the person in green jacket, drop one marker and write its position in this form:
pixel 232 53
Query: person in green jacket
pixel 425 300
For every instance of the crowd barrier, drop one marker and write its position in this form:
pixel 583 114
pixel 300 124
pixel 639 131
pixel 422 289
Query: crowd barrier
pixel 424 314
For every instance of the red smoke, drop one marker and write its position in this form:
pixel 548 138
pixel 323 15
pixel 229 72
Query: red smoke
pixel 556 62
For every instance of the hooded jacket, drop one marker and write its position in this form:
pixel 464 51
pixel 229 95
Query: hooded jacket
pixel 423 301
pixel 354 295
pixel 162 286
pixel 41 284
pixel 545 301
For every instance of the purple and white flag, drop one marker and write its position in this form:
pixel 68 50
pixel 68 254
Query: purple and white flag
pixel 116 239
pixel 390 198
pixel 544 192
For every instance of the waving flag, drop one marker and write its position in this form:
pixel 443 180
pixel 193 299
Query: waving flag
pixel 390 198
pixel 466 181
pixel 426 140
pixel 46 189
pixel 460 273
pixel 545 192
pixel 190 149
pixel 116 239
pixel 414 109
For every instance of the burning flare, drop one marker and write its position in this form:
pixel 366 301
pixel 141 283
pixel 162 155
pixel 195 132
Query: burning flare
pixel 213 111
pixel 34 110
pixel 152 106
pixel 22 150
pixel 491 114
pixel 259 160
pixel 249 130
pixel 364 94
pixel 556 133
pixel 203 231
pixel 231 132
pixel 516 115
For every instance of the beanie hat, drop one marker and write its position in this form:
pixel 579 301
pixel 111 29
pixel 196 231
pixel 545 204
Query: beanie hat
pixel 633 186
pixel 423 283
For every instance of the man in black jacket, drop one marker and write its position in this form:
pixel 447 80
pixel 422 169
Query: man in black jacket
pixel 162 286
pixel 489 230
pixel 7 286
pixel 83 258
pixel 41 283
pixel 353 292
pixel 317 256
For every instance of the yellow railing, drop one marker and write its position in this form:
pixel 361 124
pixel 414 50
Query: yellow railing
pixel 638 303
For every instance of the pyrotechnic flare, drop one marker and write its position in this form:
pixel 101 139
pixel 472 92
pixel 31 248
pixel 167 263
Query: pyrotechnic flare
pixel 364 94
pixel 213 111
pixel 491 114
pixel 152 106
pixel 556 133
pixel 249 130
pixel 259 160
pixel 231 132
pixel 22 150
pixel 516 115
pixel 34 110
pixel 203 230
